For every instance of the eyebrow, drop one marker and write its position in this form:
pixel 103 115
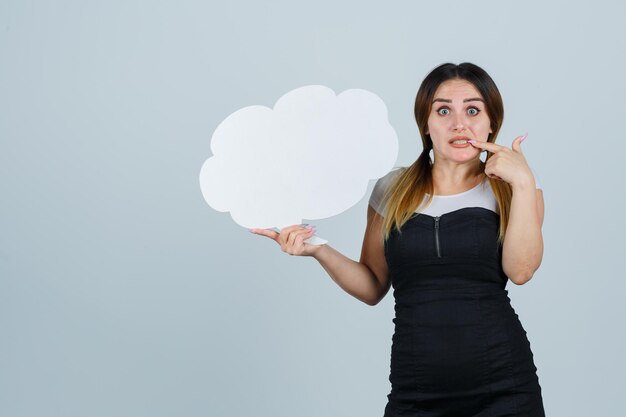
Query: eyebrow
pixel 464 101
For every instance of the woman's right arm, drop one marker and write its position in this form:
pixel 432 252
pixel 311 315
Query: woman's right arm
pixel 366 280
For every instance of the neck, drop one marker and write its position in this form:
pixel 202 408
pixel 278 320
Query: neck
pixel 453 174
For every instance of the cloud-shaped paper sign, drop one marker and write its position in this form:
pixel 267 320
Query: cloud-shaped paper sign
pixel 310 157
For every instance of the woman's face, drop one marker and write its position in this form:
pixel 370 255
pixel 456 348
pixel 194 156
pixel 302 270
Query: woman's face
pixel 457 110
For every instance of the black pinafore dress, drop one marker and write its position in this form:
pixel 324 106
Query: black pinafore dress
pixel 459 349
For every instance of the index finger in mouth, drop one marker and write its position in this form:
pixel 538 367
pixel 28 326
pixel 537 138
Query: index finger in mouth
pixel 487 146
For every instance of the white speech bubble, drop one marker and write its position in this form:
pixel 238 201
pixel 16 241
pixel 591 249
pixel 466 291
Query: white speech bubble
pixel 310 157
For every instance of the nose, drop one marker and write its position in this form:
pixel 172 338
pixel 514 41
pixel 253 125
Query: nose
pixel 458 123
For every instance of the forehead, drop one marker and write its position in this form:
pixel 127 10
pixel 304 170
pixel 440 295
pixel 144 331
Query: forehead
pixel 456 90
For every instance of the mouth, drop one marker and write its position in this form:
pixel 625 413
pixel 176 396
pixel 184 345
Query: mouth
pixel 459 141
pixel 456 138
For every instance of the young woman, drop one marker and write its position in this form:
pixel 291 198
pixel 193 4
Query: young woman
pixel 448 234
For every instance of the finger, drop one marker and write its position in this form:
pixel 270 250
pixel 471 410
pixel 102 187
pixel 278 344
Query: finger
pixel 295 235
pixel 516 145
pixel 488 146
pixel 283 234
pixel 296 241
pixel 265 232
pixel 299 242
pixel 288 229
pixel 494 176
pixel 489 170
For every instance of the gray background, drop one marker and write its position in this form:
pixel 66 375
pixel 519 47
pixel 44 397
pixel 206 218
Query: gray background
pixel 122 293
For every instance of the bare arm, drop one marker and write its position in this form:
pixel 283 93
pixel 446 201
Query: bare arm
pixel 523 242
pixel 522 250
pixel 366 280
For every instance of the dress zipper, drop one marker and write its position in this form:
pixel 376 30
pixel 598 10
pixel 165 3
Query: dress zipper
pixel 437 236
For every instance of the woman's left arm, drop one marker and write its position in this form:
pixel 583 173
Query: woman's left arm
pixel 522 249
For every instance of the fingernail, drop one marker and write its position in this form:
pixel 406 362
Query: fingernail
pixel 309 227
pixel 251 230
pixel 471 141
pixel 523 138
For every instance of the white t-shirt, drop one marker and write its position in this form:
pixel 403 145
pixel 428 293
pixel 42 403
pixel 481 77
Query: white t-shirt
pixel 480 196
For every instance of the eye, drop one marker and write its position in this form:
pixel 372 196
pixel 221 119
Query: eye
pixel 473 111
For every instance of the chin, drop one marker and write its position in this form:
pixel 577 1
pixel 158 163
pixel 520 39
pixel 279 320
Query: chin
pixel 465 158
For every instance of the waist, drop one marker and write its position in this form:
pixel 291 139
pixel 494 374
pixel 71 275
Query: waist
pixel 443 309
pixel 463 277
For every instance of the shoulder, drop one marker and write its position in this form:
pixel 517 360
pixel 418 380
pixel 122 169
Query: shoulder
pixel 387 178
pixel 381 186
